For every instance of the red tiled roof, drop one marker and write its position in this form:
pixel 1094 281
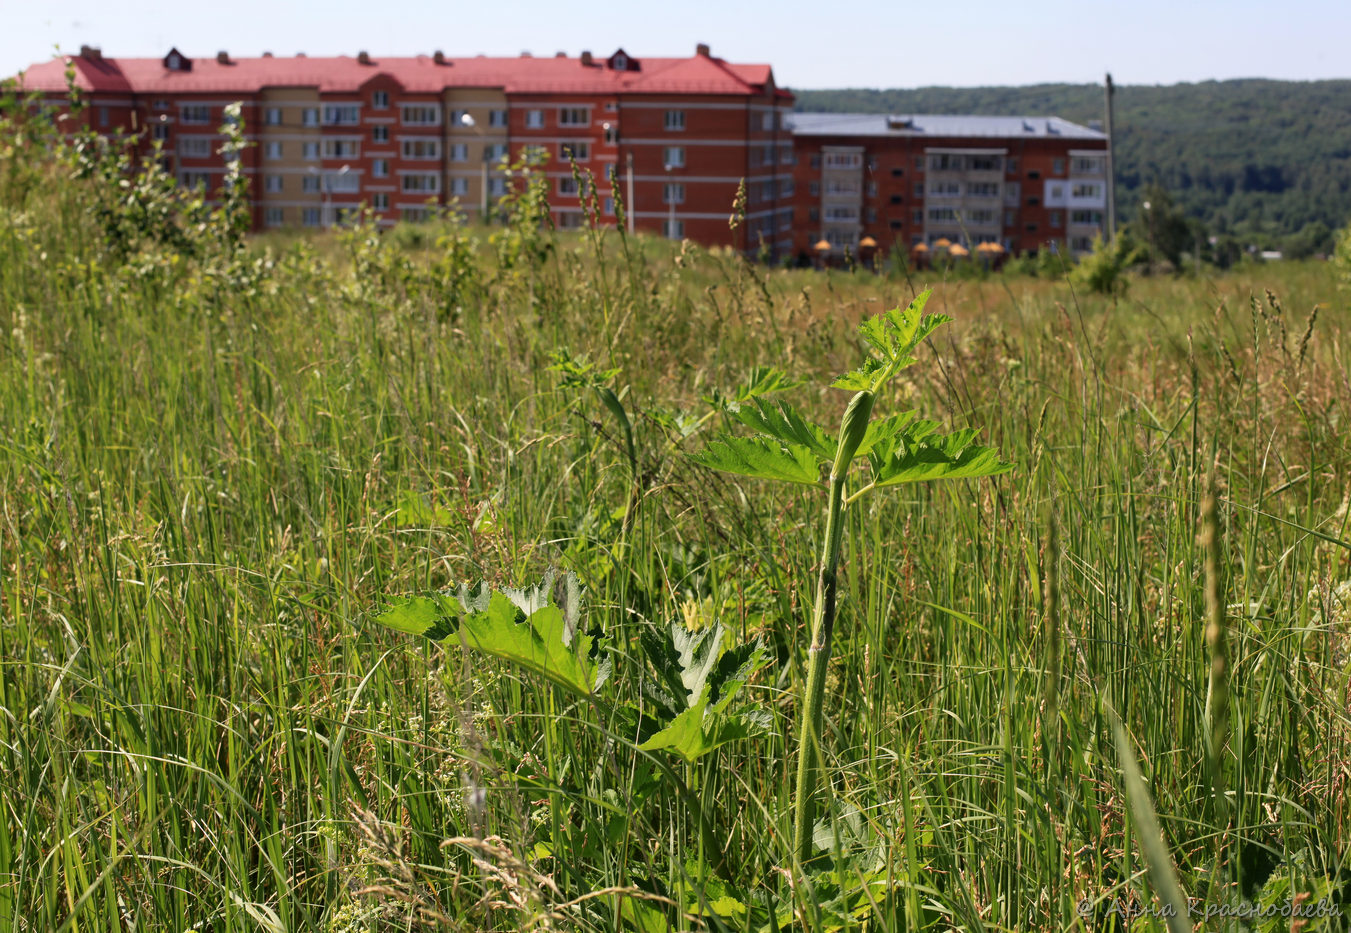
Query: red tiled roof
pixel 696 75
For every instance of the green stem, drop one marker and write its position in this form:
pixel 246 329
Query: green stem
pixel 823 625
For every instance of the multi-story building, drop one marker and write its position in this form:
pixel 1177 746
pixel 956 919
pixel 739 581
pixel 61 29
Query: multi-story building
pixel 673 136
pixel 1022 182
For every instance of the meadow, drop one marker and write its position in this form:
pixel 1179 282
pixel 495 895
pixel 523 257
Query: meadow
pixel 223 457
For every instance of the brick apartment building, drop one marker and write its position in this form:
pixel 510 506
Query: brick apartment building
pixel 400 134
pixel 673 136
pixel 1024 183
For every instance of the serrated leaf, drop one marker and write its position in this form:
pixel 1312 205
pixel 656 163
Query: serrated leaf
pixel 764 380
pixel 861 378
pixel 698 731
pixel 919 455
pixel 784 422
pixel 882 431
pixel 762 457
pixel 519 626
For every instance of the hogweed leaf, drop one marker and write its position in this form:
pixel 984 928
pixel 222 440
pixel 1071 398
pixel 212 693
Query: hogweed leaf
pixel 787 424
pixel 883 430
pixel 519 626
pixel 763 458
pixel 861 378
pixel 920 454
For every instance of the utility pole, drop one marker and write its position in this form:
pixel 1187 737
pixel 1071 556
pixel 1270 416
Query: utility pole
pixel 1111 168
pixel 628 162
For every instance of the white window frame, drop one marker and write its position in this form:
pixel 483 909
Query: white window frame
pixel 534 119
pixel 673 192
pixel 309 116
pixel 420 149
pixel 380 201
pixel 674 121
pixel 273 217
pixel 577 150
pixel 497 118
pixel 194 115
pixel 194 147
pixel 342 114
pixel 423 114
pixel 380 168
pixel 673 156
pixel 273 184
pixel 309 151
pixel 676 232
pixel 574 116
pixel 380 100
pixel 380 134
pixel 272 150
pixel 272 116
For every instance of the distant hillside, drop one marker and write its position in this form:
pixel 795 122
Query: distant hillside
pixel 1262 160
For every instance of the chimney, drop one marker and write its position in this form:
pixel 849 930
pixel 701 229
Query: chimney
pixel 300 55
pixel 92 53
pixel 267 55
pixel 702 49
pixel 364 57
pixel 439 57
pixel 526 55
pixel 560 55
pixel 223 57
pixel 586 59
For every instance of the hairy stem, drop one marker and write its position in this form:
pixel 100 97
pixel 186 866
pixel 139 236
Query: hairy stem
pixel 818 654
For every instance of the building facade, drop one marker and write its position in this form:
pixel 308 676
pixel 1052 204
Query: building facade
pixel 1022 182
pixel 672 137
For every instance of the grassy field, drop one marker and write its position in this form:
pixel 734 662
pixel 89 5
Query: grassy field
pixel 217 464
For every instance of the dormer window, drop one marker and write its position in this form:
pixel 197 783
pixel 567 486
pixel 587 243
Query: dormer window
pixel 621 62
pixel 177 61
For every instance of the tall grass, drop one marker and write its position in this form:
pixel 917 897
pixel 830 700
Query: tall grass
pixel 211 473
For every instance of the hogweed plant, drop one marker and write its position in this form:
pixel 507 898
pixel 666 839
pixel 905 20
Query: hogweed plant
pixel 899 448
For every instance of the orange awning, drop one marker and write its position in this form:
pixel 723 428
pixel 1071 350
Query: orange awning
pixel 822 246
pixel 867 243
pixel 942 243
pixel 919 248
pixel 958 249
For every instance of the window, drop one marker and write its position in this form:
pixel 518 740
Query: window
pixel 842 213
pixel 569 220
pixel 342 182
pixel 534 119
pixel 673 229
pixel 160 131
pixel 872 189
pixel 673 193
pixel 836 186
pixel 1011 165
pixel 1056 218
pixel 897 199
pixel 341 149
pixel 1086 217
pixel 675 119
pixel 420 114
pixel 380 201
pixel 160 104
pixel 984 216
pixel 872 215
pixel 813 214
pixel 195 115
pixel 1033 202
pixel 273 216
pixel 497 187
pixel 458 118
pixel 380 100
pixel 1086 190
pixel 787 156
pixel 844 160
pixel 310 184
pixel 103 116
pixel 309 116
pixel 608 206
pixel 1009 220
pixel 309 151
pixel 459 186
pixel 919 189
pixel 272 150
pixel 379 134
pixel 1034 175
pixel 611 135
pixel 894 224
pixel 945 163
pixel 195 180
pixel 194 147
pixel 767 121
pixel 1081 244
pixel 272 184
pixel 917 216
pixel 1058 167
pixel 786 188
pixel 945 189
pixel 494 151
pixel 413 215
pixel 897 172
pixel 421 149
pixel 342 114
pixel 1086 165
pixel 574 116
pixel 815 160
pixel 577 151
pixel 272 116
pixel 459 152
pixel 674 156
pixel 814 188
pixel 567 186
pixel 380 168
pixel 497 118
pixel 985 163
pixel 767 155
pixel 919 163
pixel 982 189
pixel 428 183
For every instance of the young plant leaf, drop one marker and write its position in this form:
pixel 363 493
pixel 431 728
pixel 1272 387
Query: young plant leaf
pixel 762 457
pixel 918 455
pixel 519 626
pixel 786 424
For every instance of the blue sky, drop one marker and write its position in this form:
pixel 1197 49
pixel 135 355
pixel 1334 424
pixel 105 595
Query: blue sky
pixel 810 45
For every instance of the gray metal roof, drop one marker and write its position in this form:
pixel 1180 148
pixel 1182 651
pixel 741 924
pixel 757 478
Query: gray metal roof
pixel 881 124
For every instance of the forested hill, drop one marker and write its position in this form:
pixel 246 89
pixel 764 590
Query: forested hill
pixel 1256 158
